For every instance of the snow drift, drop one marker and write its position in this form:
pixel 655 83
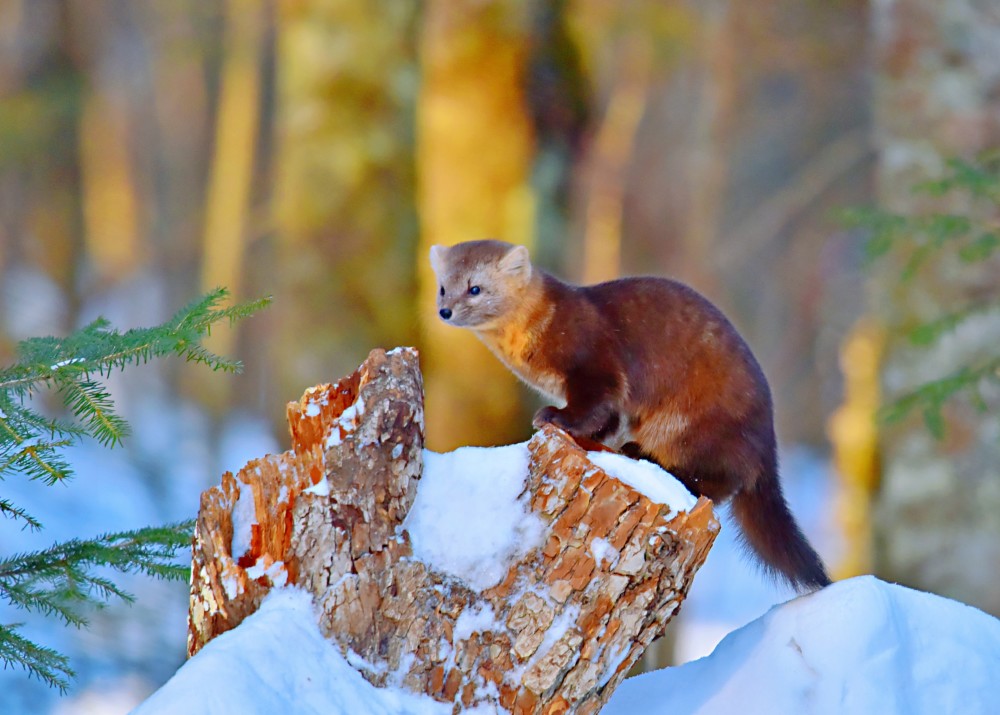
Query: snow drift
pixel 859 646
pixel 277 661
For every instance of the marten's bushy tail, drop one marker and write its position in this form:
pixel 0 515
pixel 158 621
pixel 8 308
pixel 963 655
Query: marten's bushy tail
pixel 770 530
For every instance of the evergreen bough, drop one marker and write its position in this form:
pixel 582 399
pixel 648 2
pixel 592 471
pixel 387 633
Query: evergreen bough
pixel 920 240
pixel 60 580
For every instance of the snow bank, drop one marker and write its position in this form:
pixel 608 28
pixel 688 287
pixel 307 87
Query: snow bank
pixel 277 661
pixel 859 646
pixel 470 518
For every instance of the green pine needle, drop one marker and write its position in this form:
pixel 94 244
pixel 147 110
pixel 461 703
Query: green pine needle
pixel 11 511
pixel 38 460
pixel 926 334
pixel 91 404
pixel 99 349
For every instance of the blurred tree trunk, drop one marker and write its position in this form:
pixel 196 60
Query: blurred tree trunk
pixel 40 98
pixel 227 205
pixel 937 96
pixel 609 160
pixel 184 77
pixel 557 92
pixel 628 52
pixel 710 153
pixel 343 183
pixel 474 153
pixel 229 214
pixel 110 203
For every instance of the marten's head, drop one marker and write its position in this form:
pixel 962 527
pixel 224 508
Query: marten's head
pixel 479 282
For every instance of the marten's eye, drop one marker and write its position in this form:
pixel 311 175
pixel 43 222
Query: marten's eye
pixel 442 290
pixel 474 290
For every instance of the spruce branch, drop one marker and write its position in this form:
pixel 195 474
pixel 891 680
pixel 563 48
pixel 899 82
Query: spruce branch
pixel 53 579
pixel 71 364
pixel 977 177
pixel 19 424
pixel 47 665
pixel 930 397
pixel 38 460
pixel 926 334
pixel 66 578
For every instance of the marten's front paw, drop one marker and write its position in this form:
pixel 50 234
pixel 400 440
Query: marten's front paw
pixel 548 415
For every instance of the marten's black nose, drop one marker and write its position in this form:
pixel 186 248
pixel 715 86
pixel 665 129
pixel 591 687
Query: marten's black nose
pixel 445 313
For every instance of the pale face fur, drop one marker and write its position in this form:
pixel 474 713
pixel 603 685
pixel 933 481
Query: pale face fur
pixel 479 282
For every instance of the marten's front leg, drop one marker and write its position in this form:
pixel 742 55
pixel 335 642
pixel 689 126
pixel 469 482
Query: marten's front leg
pixel 592 406
pixel 595 425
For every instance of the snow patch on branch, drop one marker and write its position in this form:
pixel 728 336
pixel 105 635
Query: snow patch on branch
pixel 64 363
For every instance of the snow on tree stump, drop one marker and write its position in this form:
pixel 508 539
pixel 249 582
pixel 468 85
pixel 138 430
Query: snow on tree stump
pixel 555 635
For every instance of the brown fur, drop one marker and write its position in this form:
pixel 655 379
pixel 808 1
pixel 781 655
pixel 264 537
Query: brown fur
pixel 643 364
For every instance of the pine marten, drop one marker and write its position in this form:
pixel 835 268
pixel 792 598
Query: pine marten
pixel 644 365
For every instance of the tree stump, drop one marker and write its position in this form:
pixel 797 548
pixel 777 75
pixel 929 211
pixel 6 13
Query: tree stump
pixel 556 635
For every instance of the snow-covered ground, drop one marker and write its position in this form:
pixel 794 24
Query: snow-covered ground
pixel 277 661
pixel 860 646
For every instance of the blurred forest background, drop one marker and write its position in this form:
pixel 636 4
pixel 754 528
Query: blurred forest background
pixel 313 150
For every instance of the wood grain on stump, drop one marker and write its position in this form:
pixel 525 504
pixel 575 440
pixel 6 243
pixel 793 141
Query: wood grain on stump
pixel 564 625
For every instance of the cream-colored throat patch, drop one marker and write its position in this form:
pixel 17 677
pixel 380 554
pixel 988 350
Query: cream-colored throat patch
pixel 516 345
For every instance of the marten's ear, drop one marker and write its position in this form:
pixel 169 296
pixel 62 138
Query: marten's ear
pixel 438 259
pixel 517 261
